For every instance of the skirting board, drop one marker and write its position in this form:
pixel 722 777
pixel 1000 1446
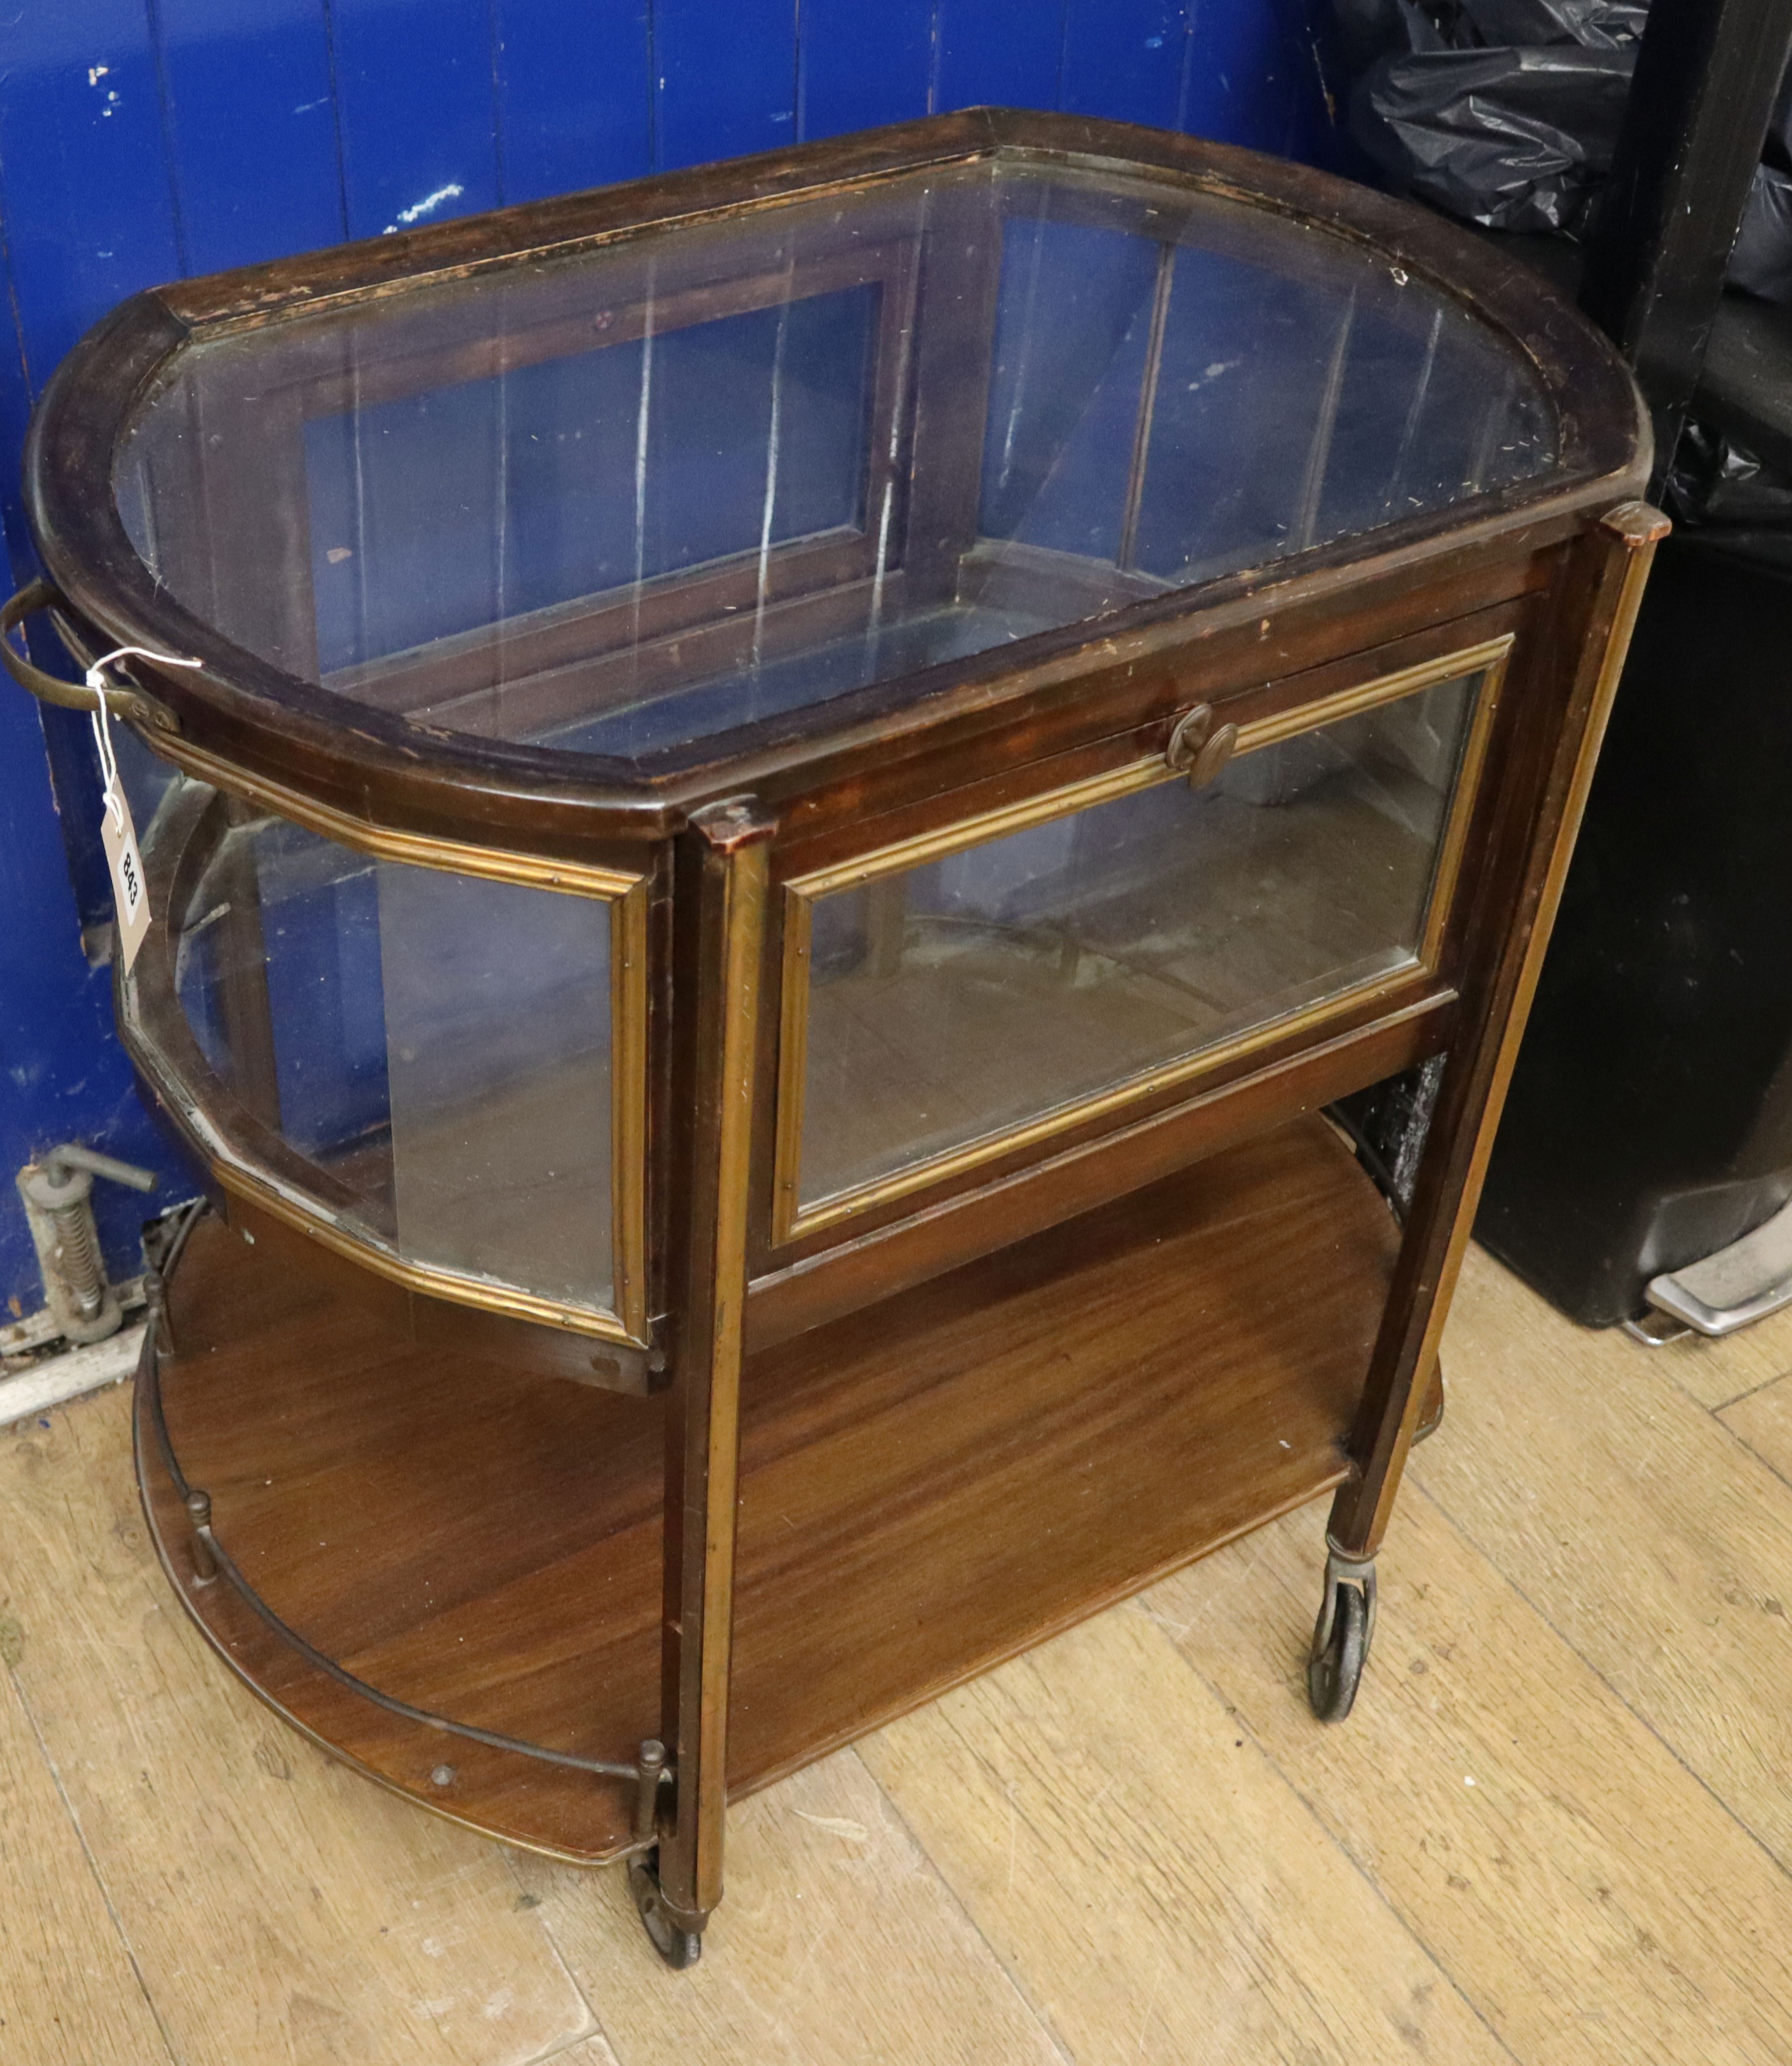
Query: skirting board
pixel 59 1377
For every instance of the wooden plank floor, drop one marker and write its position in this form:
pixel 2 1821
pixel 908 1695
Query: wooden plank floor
pixel 1558 1828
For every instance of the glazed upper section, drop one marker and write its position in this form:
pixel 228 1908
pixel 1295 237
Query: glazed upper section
pixel 639 482
pixel 654 492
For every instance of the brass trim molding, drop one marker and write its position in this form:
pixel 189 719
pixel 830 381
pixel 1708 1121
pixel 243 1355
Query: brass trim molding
pixel 791 1219
pixel 629 1071
pixel 383 843
pixel 1491 660
pixel 1097 1104
pixel 486 1296
pixel 798 905
pixel 1489 656
pixel 292 1208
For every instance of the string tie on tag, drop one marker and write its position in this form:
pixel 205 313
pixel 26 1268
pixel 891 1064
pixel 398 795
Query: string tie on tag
pixel 102 719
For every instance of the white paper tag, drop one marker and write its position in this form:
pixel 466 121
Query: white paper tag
pixel 119 836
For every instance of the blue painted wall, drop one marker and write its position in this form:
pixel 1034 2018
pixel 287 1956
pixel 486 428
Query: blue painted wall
pixel 140 139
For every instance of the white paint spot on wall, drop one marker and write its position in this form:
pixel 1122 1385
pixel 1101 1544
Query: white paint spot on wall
pixel 426 206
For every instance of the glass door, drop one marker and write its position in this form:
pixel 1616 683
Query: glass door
pixel 954 996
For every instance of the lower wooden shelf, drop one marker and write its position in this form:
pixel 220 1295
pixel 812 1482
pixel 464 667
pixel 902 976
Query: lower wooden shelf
pixel 928 1487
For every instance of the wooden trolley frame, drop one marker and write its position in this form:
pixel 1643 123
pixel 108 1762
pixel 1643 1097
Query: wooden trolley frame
pixel 824 1464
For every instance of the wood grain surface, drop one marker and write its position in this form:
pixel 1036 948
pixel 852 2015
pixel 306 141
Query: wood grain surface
pixel 1549 1850
pixel 1132 1843
pixel 844 1944
pixel 66 1971
pixel 1716 1373
pixel 1643 1530
pixel 1763 1420
pixel 270 1898
pixel 1096 1810
pixel 927 1487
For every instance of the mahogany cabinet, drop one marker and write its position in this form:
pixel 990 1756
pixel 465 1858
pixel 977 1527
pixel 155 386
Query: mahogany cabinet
pixel 844 856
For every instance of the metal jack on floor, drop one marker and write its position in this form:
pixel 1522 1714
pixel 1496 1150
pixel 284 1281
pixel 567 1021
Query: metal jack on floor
pixel 57 1192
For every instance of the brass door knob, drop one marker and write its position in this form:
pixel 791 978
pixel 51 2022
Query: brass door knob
pixel 1196 750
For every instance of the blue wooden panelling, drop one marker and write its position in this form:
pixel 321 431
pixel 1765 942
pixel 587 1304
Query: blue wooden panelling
pixel 415 110
pixel 1126 58
pixel 63 1075
pixel 999 53
pixel 139 139
pixel 724 79
pixel 89 218
pixel 464 504
pixel 251 129
pixel 1245 355
pixel 861 66
pixel 90 208
pixel 1247 69
pixel 574 93
pixel 711 420
pixel 325 999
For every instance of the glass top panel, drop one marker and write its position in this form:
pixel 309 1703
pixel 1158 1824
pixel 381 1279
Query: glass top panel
pixel 632 498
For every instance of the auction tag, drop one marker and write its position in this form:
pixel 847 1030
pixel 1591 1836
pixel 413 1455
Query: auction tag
pixel 119 836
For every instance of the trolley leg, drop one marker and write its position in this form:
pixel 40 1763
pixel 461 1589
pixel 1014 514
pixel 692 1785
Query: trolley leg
pixel 720 910
pixel 1497 996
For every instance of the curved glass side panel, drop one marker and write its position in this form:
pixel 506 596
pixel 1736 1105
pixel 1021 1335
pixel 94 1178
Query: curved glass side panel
pixel 1129 931
pixel 435 1052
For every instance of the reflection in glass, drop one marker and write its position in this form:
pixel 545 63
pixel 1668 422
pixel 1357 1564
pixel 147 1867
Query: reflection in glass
pixel 441 511
pixel 146 780
pixel 435 1047
pixel 640 496
pixel 969 995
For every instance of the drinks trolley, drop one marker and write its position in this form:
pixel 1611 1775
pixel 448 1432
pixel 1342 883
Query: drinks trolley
pixel 844 854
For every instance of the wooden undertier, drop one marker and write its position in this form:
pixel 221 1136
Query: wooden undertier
pixel 928 1487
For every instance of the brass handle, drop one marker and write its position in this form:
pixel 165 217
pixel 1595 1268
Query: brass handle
pixel 69 695
pixel 1196 750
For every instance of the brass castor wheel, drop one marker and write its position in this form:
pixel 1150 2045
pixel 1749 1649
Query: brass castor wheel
pixel 679 1946
pixel 1341 1635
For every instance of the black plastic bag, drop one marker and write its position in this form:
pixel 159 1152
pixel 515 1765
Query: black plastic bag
pixel 1762 261
pixel 1368 28
pixel 1596 24
pixel 1503 112
pixel 1506 113
pixel 1717 482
